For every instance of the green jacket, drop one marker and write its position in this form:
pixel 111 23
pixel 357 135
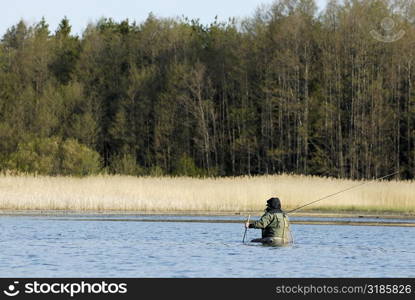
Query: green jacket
pixel 273 225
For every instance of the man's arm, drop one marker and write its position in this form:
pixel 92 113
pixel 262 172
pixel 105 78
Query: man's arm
pixel 261 223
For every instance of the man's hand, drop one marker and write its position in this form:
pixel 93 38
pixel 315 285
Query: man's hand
pixel 247 225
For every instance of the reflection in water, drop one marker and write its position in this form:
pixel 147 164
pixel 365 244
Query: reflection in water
pixel 58 247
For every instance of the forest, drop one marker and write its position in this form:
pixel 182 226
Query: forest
pixel 288 90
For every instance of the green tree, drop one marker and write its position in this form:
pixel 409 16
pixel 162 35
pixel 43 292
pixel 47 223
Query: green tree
pixel 78 159
pixel 125 164
pixel 66 52
pixel 52 156
pixel 39 156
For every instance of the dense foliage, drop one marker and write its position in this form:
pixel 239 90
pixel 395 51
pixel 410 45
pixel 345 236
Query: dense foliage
pixel 287 90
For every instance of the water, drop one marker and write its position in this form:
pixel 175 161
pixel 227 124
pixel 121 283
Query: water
pixel 102 247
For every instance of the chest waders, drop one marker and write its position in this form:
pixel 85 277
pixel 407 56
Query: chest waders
pixel 286 240
pixel 283 239
pixel 277 235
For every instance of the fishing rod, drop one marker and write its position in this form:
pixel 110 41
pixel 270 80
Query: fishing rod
pixel 243 240
pixel 348 189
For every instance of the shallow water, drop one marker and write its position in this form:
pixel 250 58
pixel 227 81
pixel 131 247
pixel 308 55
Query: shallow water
pixel 67 247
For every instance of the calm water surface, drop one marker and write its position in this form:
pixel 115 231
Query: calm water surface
pixel 65 247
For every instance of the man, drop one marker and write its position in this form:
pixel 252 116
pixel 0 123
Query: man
pixel 274 224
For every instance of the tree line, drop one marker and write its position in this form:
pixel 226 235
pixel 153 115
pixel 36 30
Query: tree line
pixel 288 90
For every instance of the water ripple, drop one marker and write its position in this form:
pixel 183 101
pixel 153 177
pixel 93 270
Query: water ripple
pixel 44 247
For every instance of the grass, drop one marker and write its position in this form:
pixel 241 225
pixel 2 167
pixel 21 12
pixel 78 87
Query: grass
pixel 182 194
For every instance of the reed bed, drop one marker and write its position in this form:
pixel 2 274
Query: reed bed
pixel 182 194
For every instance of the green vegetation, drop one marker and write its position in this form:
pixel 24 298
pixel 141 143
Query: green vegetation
pixel 285 91
pixel 51 156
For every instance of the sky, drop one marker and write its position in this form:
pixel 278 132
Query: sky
pixel 82 12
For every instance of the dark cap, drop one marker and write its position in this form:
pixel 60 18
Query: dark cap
pixel 274 203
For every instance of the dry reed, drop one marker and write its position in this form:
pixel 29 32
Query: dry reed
pixel 181 194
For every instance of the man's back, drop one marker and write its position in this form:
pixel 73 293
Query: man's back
pixel 274 225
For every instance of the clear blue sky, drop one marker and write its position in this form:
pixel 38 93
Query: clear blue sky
pixel 82 12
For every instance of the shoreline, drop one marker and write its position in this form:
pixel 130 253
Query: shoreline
pixel 315 214
pixel 322 218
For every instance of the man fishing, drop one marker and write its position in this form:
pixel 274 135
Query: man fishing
pixel 274 224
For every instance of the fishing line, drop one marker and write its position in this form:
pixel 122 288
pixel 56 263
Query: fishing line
pixel 348 189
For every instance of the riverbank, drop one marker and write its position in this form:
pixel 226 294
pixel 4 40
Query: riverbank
pixel 311 214
pixel 305 218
